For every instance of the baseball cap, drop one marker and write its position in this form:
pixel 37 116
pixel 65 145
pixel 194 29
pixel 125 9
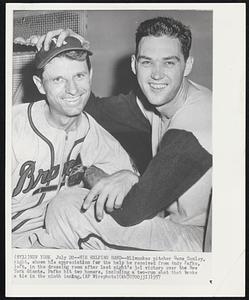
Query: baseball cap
pixel 42 57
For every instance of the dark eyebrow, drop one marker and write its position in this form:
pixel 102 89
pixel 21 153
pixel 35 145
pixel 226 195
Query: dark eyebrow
pixel 172 57
pixel 164 58
pixel 143 57
pixel 58 76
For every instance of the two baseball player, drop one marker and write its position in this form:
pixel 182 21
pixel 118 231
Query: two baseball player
pixel 179 177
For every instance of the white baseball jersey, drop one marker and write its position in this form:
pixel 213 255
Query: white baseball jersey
pixel 44 156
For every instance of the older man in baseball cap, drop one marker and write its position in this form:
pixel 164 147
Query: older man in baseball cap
pixel 55 141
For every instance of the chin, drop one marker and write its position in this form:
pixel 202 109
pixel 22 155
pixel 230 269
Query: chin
pixel 74 113
pixel 157 101
pixel 77 109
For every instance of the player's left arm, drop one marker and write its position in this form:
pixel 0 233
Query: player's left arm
pixel 180 163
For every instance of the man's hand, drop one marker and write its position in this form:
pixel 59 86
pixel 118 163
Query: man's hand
pixel 110 192
pixel 31 41
pixel 62 34
pixel 39 41
pixel 92 176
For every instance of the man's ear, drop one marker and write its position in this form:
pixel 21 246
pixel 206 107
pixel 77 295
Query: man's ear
pixel 39 84
pixel 133 64
pixel 188 66
pixel 91 75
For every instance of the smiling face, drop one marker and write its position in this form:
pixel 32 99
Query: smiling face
pixel 160 68
pixel 67 85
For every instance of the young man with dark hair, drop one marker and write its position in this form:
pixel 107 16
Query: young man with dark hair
pixel 177 179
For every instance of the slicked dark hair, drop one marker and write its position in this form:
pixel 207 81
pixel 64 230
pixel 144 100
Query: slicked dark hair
pixel 161 26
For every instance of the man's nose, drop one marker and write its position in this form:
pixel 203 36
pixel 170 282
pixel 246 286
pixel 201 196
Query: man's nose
pixel 157 72
pixel 71 87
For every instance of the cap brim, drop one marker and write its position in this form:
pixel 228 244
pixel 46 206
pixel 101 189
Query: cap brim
pixel 60 50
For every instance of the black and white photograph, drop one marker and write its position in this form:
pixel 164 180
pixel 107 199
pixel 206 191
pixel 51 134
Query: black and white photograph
pixel 131 170
pixel 112 142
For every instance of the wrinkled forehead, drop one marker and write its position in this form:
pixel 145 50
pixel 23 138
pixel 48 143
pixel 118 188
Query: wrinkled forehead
pixel 65 65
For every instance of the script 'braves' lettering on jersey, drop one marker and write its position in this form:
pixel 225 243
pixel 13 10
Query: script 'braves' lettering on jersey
pixel 44 158
pixel 27 174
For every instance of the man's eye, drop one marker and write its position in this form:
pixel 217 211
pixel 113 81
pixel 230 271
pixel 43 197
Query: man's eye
pixel 146 62
pixel 58 79
pixel 169 63
pixel 80 76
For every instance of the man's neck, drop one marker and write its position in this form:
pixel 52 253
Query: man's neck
pixel 169 109
pixel 64 123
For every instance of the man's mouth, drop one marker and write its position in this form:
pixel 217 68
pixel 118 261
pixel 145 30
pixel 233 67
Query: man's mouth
pixel 158 86
pixel 72 100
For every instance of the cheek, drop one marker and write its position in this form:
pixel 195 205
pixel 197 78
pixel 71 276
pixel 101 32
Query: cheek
pixel 54 90
pixel 56 98
pixel 84 85
pixel 142 75
pixel 177 76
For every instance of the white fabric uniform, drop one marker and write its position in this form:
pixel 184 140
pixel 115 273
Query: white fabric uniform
pixel 42 158
pixel 69 228
pixel 181 231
